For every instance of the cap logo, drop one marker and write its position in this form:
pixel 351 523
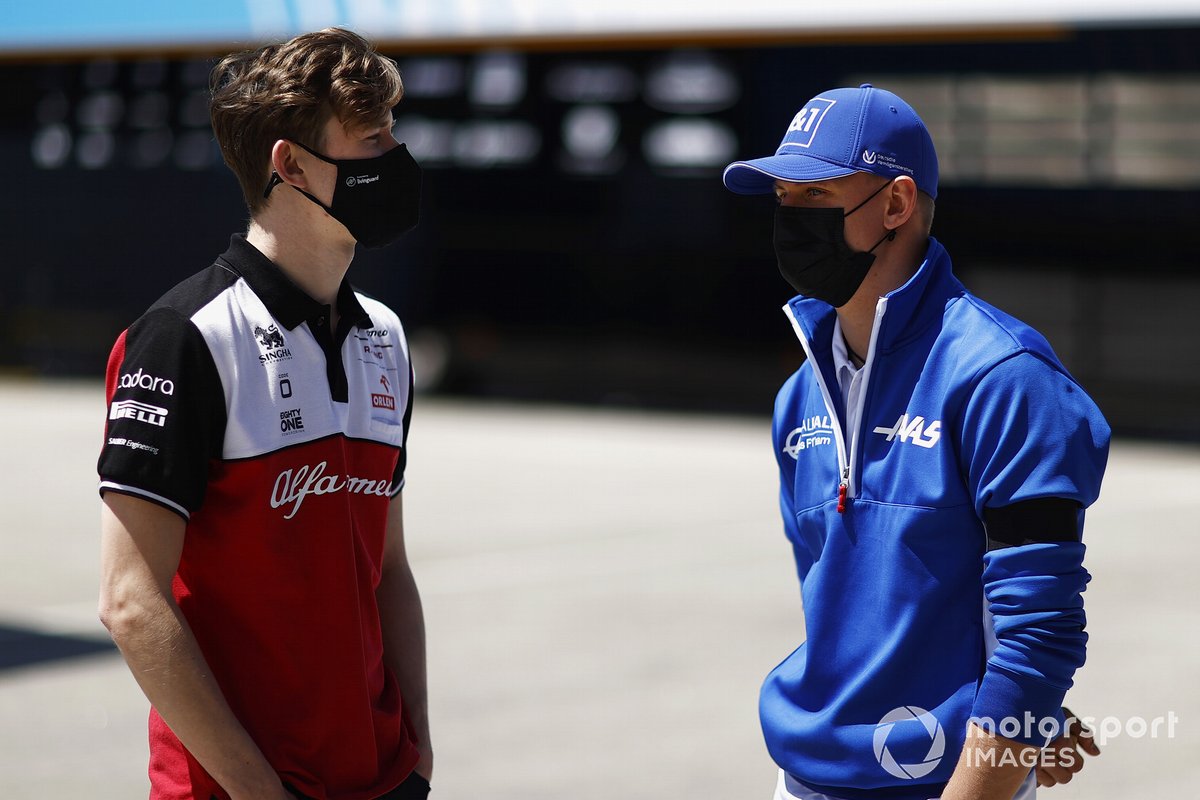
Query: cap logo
pixel 868 157
pixel 805 124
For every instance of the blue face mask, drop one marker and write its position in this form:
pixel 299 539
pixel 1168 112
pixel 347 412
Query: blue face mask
pixel 377 199
pixel 813 255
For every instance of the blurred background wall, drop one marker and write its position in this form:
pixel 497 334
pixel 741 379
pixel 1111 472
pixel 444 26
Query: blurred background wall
pixel 576 243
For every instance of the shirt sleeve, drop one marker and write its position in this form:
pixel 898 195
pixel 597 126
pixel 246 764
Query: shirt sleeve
pixel 166 413
pixel 1029 433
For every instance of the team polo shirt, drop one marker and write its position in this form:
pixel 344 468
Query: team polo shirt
pixel 281 444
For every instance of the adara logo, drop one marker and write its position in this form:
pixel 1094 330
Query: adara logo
pixel 144 380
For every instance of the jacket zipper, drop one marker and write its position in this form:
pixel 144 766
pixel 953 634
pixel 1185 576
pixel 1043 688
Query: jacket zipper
pixel 838 438
pixel 847 488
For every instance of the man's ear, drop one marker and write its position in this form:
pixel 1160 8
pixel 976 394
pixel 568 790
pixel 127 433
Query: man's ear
pixel 902 202
pixel 285 165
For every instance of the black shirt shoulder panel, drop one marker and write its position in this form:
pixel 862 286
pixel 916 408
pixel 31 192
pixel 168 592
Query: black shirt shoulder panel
pixel 194 293
pixel 166 413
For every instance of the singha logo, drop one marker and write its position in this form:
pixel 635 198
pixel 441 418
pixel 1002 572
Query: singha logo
pixel 269 338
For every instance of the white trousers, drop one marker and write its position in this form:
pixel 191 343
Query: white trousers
pixel 789 788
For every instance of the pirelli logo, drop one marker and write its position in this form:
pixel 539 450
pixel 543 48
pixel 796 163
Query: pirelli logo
pixel 142 412
pixel 383 401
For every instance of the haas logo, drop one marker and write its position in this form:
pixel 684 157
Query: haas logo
pixel 269 338
pixel 913 431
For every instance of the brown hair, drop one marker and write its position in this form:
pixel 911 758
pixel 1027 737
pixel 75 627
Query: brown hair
pixel 289 91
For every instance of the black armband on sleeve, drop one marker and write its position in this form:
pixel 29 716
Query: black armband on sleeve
pixel 1046 519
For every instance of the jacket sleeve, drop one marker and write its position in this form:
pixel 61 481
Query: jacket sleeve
pixel 1034 449
pixel 781 425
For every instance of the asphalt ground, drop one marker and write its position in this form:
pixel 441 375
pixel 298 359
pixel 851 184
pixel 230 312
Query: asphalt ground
pixel 604 591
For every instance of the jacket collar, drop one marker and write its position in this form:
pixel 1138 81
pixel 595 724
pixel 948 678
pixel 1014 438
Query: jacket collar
pixel 910 308
pixel 286 301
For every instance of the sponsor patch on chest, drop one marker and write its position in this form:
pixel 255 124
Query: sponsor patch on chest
pixel 292 486
pixel 913 430
pixel 813 432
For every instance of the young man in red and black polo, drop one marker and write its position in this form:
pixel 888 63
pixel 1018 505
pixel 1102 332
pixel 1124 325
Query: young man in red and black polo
pixel 253 565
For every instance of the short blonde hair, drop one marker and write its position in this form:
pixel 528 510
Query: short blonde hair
pixel 926 206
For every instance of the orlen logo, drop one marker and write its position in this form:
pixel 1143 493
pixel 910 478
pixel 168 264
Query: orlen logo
pixel 140 380
pixel 293 486
pixel 914 431
pixel 384 400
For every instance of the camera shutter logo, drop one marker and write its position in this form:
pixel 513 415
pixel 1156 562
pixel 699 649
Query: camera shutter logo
pixel 908 716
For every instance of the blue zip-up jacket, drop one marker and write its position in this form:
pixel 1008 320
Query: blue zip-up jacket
pixel 964 408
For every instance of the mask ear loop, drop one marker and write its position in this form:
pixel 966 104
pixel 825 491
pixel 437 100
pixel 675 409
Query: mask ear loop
pixel 275 181
pixel 864 202
pixel 890 236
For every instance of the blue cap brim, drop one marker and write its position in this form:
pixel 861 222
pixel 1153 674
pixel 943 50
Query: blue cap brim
pixel 758 175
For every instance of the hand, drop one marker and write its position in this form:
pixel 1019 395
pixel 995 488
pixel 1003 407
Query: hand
pixel 1062 757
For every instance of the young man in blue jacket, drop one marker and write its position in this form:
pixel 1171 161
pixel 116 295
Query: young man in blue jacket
pixel 935 461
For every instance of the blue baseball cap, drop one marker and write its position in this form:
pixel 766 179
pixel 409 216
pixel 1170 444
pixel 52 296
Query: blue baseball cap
pixel 841 132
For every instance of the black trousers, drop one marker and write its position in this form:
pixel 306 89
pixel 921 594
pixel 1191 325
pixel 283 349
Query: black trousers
pixel 414 788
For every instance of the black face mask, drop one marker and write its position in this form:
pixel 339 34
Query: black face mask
pixel 813 255
pixel 377 199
